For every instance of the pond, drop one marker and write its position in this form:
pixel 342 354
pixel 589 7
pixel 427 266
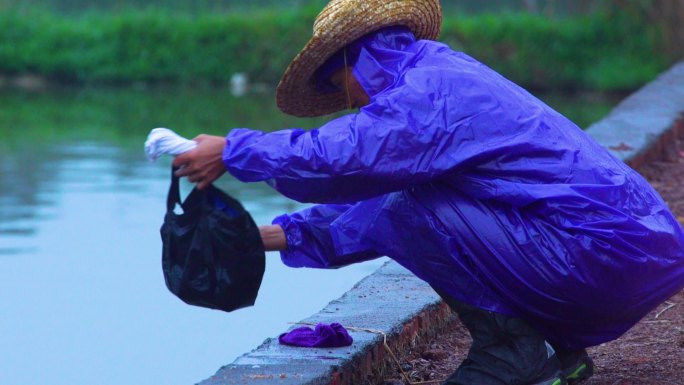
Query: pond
pixel 82 297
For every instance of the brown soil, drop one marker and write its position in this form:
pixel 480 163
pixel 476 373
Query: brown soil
pixel 651 353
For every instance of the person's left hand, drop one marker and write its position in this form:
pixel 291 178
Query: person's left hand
pixel 204 164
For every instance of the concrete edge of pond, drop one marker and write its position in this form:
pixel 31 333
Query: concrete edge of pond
pixel 391 301
pixel 640 129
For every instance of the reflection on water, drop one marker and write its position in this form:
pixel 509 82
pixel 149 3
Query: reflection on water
pixel 82 297
pixel 69 139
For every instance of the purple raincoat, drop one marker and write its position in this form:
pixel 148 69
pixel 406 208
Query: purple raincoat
pixel 478 188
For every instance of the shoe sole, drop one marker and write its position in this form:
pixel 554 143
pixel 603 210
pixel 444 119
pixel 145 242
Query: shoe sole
pixel 555 381
pixel 558 379
pixel 582 372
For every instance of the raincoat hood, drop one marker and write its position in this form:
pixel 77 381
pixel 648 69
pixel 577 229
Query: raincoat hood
pixel 381 58
pixel 377 60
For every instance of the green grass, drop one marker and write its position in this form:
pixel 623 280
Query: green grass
pixel 593 52
pixel 596 52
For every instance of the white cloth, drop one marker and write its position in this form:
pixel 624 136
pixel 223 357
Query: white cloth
pixel 162 141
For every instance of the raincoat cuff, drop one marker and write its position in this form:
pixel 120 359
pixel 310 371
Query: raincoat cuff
pixel 238 156
pixel 225 154
pixel 293 236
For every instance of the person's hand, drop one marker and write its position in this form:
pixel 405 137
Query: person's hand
pixel 273 237
pixel 204 164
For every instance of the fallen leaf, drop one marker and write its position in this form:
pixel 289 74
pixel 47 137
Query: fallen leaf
pixel 261 376
pixel 621 147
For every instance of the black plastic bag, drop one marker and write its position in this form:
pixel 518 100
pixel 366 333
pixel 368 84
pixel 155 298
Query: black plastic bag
pixel 212 254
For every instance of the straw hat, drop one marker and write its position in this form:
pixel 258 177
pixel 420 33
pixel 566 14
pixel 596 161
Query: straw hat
pixel 340 23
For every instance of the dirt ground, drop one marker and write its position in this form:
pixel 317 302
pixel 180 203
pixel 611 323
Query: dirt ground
pixel 651 353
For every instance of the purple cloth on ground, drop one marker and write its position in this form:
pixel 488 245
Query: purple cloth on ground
pixel 333 335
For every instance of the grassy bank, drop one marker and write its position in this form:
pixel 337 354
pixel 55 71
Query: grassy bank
pixel 596 52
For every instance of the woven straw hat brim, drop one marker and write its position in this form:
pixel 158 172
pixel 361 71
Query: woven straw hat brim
pixel 341 22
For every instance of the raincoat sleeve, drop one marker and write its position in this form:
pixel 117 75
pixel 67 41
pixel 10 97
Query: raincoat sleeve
pixel 401 138
pixel 309 243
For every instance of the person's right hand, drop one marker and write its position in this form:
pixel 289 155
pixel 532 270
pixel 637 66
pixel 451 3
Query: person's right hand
pixel 204 164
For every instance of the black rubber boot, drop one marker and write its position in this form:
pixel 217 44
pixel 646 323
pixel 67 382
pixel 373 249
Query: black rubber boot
pixel 505 351
pixel 576 365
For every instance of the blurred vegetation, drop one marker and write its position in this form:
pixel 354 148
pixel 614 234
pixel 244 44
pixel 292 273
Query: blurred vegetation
pixel 600 51
pixel 609 49
pixel 547 7
pixel 150 45
pixel 123 116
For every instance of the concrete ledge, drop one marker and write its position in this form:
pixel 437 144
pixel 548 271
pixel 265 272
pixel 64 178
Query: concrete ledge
pixel 642 128
pixel 390 300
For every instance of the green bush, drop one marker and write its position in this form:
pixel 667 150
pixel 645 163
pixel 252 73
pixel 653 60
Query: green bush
pixel 598 52
pixel 590 52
